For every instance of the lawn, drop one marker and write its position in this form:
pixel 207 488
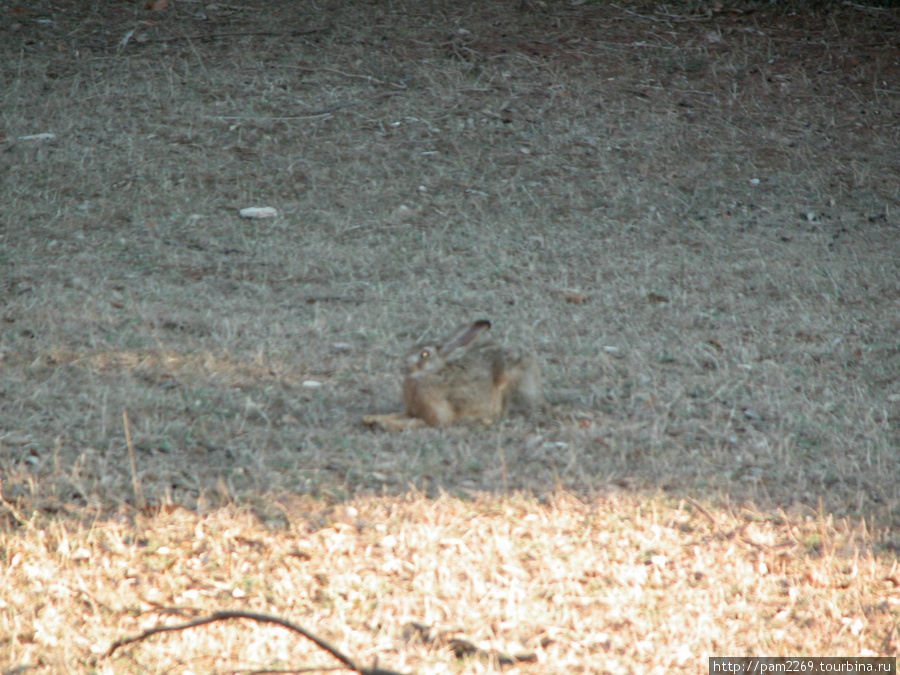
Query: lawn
pixel 690 213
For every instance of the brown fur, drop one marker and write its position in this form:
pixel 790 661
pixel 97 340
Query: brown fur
pixel 456 380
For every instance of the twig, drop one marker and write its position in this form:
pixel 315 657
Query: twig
pixel 640 16
pixel 262 618
pixel 865 8
pixel 702 509
pixel 368 78
pixel 347 104
pixel 307 114
pixel 11 507
pixel 140 502
pixel 212 36
pixel 670 18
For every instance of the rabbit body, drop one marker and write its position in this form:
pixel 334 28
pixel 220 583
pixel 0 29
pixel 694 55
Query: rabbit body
pixel 452 381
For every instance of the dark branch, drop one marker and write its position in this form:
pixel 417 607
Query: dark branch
pixel 262 618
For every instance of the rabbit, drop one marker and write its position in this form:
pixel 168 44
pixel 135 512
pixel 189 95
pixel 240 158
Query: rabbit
pixel 463 378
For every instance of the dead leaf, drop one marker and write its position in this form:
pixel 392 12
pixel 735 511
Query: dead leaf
pixel 575 297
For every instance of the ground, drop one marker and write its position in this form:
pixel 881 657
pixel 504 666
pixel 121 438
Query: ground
pixel 688 211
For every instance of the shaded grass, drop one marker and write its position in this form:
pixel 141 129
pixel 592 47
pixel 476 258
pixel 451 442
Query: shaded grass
pixel 690 217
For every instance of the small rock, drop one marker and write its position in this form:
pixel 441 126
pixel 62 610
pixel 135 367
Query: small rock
pixel 259 212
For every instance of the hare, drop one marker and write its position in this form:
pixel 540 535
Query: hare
pixel 457 380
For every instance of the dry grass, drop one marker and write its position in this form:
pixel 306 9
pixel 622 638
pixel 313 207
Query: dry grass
pixel 617 585
pixel 690 215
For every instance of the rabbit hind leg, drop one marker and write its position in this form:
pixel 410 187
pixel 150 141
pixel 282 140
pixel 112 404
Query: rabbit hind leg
pixel 527 387
pixel 394 422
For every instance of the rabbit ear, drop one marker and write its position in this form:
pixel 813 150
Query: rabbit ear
pixel 464 335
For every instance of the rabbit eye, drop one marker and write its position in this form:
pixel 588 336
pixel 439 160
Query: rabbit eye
pixel 425 354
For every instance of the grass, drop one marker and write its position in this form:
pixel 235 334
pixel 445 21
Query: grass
pixel 689 214
pixel 613 585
